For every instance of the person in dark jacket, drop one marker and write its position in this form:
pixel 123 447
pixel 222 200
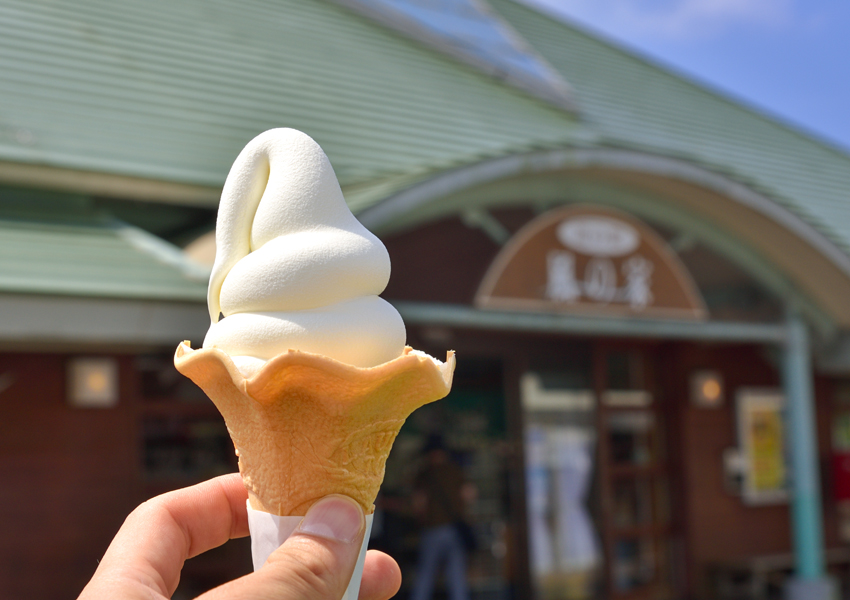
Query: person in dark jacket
pixel 439 498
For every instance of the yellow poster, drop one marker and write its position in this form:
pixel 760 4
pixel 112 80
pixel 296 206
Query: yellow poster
pixel 762 436
pixel 766 462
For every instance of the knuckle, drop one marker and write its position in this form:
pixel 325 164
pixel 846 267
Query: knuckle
pixel 307 570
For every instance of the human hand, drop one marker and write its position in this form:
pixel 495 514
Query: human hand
pixel 145 558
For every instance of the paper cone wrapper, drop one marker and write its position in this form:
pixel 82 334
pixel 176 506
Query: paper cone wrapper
pixel 306 426
pixel 269 532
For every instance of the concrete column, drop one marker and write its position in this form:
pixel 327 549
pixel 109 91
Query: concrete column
pixel 809 581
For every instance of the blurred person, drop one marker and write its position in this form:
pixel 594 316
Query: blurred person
pixel 147 554
pixel 440 495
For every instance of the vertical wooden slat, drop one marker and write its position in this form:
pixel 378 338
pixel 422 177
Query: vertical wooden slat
pixel 603 463
pixel 515 366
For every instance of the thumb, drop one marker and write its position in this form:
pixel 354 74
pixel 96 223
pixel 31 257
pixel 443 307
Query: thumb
pixel 315 563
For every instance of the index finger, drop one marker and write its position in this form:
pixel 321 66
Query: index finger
pixel 155 540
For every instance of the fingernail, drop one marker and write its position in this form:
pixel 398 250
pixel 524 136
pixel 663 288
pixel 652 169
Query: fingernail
pixel 334 518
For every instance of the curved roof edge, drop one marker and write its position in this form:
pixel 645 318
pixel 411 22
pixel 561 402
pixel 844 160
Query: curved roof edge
pixel 381 214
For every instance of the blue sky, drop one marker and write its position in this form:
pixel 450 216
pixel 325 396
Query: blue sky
pixel 790 58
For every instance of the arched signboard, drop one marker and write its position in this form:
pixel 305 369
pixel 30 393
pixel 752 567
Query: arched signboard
pixel 590 260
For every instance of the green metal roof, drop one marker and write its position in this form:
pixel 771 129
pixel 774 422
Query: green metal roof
pixel 173 90
pixel 636 104
pixel 55 244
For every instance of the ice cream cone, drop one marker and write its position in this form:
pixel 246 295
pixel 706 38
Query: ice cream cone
pixel 305 426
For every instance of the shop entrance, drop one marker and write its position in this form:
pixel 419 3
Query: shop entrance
pixel 599 517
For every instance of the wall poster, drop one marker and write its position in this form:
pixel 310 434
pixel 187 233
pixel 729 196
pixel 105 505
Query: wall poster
pixel 761 437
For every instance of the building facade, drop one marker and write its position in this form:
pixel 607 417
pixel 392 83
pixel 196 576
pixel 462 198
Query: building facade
pixel 645 284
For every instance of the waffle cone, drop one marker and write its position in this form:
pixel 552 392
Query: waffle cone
pixel 306 426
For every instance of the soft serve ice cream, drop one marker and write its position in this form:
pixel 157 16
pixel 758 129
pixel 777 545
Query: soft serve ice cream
pixel 308 367
pixel 294 268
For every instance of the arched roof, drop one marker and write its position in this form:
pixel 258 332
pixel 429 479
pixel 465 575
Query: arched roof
pixel 786 254
pixel 120 100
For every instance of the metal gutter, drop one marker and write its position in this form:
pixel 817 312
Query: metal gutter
pixel 454 315
pixel 42 321
pixel 106 184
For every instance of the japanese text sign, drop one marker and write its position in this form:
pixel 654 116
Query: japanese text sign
pixel 592 260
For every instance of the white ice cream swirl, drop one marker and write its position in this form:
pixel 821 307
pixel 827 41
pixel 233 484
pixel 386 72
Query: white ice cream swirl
pixel 294 269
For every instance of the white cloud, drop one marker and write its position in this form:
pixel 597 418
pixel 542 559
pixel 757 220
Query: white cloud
pixel 675 19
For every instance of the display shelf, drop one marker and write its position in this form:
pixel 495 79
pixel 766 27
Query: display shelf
pixel 168 407
pixel 619 470
pixel 185 447
pixel 649 530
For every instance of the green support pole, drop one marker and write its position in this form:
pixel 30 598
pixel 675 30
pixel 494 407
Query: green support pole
pixel 809 582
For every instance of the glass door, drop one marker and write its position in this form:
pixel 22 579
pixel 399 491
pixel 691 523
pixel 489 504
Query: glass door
pixel 633 484
pixel 565 551
pixel 597 497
